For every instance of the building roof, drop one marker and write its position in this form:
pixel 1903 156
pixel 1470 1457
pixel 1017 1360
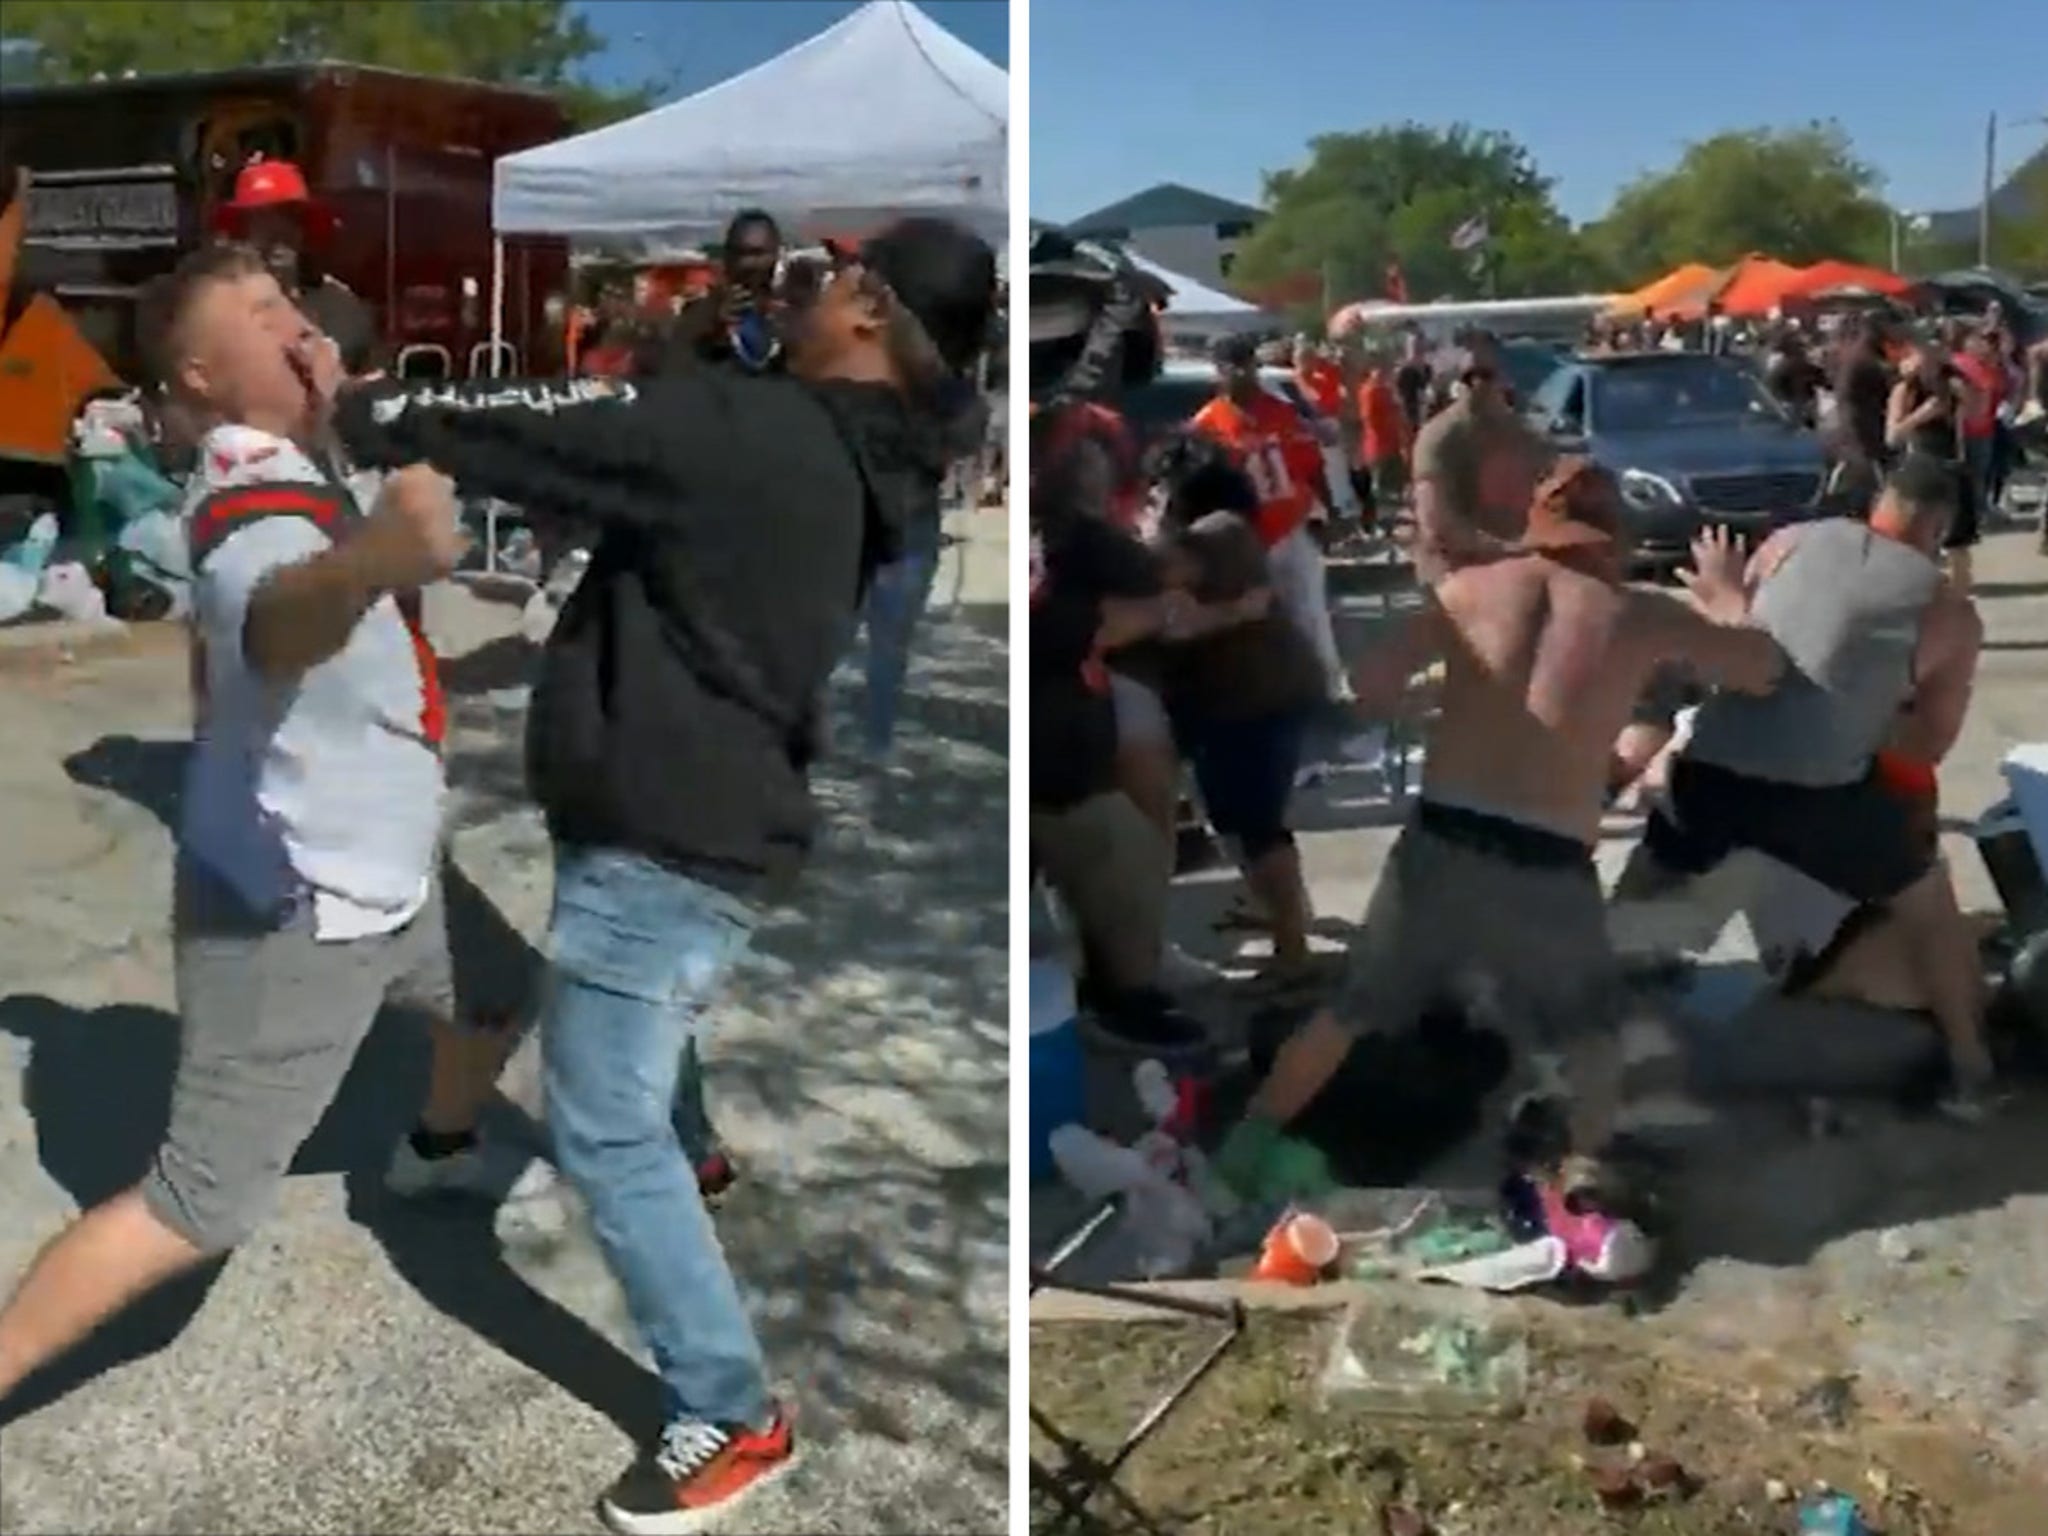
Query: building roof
pixel 2008 202
pixel 1166 206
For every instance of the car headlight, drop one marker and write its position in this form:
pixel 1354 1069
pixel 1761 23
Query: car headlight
pixel 1647 492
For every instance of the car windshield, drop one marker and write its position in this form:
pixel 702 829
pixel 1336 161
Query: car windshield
pixel 1678 392
pixel 1157 408
pixel 1528 364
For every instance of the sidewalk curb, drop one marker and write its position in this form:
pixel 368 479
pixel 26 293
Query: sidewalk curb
pixel 24 647
pixel 1057 1306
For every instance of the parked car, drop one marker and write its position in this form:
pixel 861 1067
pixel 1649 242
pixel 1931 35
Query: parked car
pixel 1530 363
pixel 1694 439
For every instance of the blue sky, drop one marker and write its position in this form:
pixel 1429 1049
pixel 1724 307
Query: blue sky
pixel 1128 93
pixel 701 42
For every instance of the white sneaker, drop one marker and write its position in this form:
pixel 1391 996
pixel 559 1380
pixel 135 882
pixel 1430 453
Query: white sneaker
pixel 478 1172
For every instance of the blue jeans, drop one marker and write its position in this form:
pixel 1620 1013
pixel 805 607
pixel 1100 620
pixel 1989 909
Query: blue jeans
pixel 896 600
pixel 639 954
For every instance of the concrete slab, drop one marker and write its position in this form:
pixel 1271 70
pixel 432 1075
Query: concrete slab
pixel 361 1367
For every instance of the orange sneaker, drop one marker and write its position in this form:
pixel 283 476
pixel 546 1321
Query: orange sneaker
pixel 697 1474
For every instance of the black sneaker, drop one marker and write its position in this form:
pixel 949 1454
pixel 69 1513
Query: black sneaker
pixel 697 1475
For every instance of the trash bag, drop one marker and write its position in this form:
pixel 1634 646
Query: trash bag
pixel 68 589
pixel 22 565
pixel 1398 1102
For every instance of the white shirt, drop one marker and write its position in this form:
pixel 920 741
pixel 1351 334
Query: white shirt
pixel 327 788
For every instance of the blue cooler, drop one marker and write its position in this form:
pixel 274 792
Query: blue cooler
pixel 1056 1073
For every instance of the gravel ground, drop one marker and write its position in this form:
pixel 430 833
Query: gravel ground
pixel 358 1367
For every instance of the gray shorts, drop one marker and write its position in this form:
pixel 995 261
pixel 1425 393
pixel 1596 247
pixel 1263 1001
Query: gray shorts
pixel 270 1022
pixel 1141 718
pixel 1467 896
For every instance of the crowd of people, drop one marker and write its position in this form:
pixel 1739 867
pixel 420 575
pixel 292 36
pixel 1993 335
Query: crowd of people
pixel 739 323
pixel 743 506
pixel 1792 701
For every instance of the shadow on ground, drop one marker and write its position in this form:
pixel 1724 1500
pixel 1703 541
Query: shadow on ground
pixel 98 1088
pixel 860 1070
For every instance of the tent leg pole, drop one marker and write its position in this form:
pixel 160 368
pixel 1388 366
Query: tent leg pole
pixel 497 304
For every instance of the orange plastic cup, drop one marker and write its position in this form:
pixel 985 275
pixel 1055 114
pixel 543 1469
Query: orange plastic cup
pixel 1297 1251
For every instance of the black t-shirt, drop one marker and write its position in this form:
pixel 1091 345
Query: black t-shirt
pixel 1411 383
pixel 1795 381
pixel 1935 437
pixel 1251 671
pixel 1073 720
pixel 1861 393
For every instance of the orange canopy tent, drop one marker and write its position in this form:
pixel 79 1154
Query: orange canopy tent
pixel 1755 285
pixel 1673 288
pixel 1827 276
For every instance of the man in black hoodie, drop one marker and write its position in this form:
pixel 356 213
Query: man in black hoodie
pixel 671 736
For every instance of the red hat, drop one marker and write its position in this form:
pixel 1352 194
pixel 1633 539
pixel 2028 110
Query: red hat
pixel 1575 517
pixel 274 184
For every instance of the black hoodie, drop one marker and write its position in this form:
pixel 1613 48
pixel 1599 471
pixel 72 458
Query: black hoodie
pixel 740 517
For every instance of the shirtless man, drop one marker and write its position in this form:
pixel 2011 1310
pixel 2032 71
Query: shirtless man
pixel 1476 464
pixel 1868 624
pixel 1546 652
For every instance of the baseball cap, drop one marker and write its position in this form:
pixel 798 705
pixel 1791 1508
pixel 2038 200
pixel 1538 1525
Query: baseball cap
pixel 1576 505
pixel 943 274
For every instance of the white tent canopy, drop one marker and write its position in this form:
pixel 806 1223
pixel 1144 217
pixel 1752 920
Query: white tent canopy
pixel 1197 311
pixel 885 113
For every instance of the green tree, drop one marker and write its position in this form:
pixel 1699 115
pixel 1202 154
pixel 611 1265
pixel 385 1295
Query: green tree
pixel 2019 241
pixel 536 43
pixel 1367 200
pixel 1798 194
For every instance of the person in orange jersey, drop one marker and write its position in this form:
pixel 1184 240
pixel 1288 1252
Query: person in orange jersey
pixel 1270 440
pixel 1384 434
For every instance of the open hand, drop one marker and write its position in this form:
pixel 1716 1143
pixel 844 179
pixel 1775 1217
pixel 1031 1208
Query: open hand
pixel 1715 579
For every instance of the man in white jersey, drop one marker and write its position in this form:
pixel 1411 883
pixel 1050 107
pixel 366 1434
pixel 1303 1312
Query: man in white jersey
pixel 308 889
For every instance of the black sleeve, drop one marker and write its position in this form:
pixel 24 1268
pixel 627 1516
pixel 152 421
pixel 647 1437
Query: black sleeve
pixel 1064 624
pixel 1107 561
pixel 584 448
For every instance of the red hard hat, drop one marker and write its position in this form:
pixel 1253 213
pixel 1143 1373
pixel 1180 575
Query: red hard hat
pixel 272 184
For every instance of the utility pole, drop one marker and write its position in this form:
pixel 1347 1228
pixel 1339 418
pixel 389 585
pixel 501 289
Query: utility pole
pixel 1990 186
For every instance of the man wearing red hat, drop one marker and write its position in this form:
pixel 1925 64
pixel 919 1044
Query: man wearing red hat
pixel 274 211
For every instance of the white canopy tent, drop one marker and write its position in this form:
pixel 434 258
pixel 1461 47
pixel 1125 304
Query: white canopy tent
pixel 884 114
pixel 1196 312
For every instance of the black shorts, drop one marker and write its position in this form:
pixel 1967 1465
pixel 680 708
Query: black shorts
pixel 1245 770
pixel 1861 840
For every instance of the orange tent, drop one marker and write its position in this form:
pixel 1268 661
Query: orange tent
pixel 46 366
pixel 1825 276
pixel 1756 285
pixel 1673 288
